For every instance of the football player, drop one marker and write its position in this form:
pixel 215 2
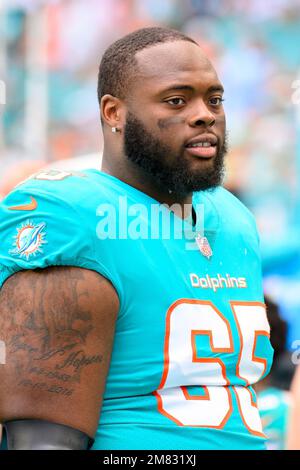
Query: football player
pixel 136 290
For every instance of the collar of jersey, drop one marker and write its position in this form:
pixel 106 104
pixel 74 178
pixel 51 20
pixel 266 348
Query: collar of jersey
pixel 185 223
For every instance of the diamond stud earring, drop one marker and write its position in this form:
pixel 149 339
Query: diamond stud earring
pixel 115 130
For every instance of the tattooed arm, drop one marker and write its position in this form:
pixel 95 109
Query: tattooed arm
pixel 58 326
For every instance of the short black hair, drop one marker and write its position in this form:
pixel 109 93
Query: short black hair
pixel 118 62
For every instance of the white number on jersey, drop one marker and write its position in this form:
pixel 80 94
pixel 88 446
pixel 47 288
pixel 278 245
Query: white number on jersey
pixel 182 365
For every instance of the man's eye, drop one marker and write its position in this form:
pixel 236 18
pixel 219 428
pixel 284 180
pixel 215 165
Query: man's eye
pixel 176 101
pixel 216 101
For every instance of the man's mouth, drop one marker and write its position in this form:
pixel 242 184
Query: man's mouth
pixel 204 146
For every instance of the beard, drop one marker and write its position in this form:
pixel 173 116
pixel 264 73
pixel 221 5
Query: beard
pixel 166 169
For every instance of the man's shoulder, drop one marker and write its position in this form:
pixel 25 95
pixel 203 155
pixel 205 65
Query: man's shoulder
pixel 227 203
pixel 64 189
pixel 224 210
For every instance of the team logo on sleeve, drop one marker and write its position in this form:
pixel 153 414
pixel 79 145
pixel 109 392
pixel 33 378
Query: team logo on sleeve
pixel 29 240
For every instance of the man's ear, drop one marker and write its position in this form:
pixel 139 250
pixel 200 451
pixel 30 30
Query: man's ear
pixel 112 111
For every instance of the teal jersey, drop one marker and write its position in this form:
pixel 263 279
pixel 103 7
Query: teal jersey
pixel 191 334
pixel 274 406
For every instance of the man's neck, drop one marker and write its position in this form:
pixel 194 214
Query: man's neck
pixel 135 178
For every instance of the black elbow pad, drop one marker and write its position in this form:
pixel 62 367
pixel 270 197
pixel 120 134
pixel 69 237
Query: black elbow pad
pixel 35 434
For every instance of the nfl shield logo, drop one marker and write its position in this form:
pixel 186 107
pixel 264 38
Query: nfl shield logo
pixel 204 246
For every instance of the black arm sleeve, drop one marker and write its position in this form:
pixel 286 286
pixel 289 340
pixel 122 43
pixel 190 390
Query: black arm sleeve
pixel 33 434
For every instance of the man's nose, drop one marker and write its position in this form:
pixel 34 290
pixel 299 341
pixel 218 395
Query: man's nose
pixel 202 116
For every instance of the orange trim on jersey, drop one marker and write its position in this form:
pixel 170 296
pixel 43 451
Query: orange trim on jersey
pixel 195 359
pixel 210 360
pixel 233 304
pixel 187 396
pixel 163 412
pixel 184 389
pixel 167 335
pixel 259 359
pixel 207 397
pixel 197 397
pixel 255 433
pixel 212 347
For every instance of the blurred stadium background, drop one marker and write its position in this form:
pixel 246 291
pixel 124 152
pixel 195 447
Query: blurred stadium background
pixel 49 56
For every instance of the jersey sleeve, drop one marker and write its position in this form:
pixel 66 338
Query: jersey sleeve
pixel 39 229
